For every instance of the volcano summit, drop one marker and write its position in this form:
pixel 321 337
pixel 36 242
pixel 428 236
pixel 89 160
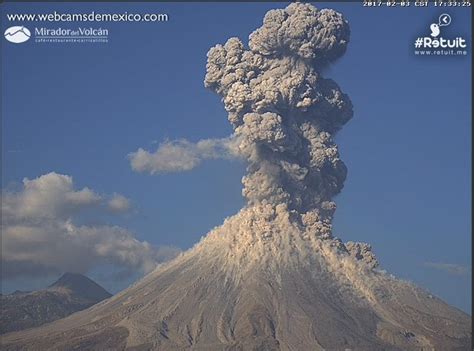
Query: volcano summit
pixel 273 276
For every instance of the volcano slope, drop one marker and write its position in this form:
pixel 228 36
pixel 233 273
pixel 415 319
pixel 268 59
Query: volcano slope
pixel 286 290
pixel 273 276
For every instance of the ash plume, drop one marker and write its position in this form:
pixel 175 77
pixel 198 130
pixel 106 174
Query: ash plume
pixel 284 112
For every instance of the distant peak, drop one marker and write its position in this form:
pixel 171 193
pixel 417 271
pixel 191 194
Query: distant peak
pixel 68 277
pixel 81 286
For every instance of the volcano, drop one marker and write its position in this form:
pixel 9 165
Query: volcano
pixel 285 290
pixel 72 292
pixel 273 276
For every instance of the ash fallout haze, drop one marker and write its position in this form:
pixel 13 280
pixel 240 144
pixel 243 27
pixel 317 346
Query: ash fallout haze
pixel 273 275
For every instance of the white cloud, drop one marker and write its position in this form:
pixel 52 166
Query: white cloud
pixel 40 236
pixel 49 196
pixel 181 155
pixel 451 268
pixel 118 203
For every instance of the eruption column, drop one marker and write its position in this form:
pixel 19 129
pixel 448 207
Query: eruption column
pixel 284 113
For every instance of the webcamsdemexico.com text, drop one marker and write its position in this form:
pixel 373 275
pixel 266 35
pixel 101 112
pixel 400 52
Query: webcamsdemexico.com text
pixel 88 17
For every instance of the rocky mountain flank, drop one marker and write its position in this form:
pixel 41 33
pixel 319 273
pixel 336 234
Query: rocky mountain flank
pixel 69 294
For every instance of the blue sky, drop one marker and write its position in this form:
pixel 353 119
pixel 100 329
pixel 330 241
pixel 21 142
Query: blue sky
pixel 79 109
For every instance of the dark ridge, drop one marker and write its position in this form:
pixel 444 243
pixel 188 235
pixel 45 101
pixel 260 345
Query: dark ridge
pixel 70 293
pixel 81 286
